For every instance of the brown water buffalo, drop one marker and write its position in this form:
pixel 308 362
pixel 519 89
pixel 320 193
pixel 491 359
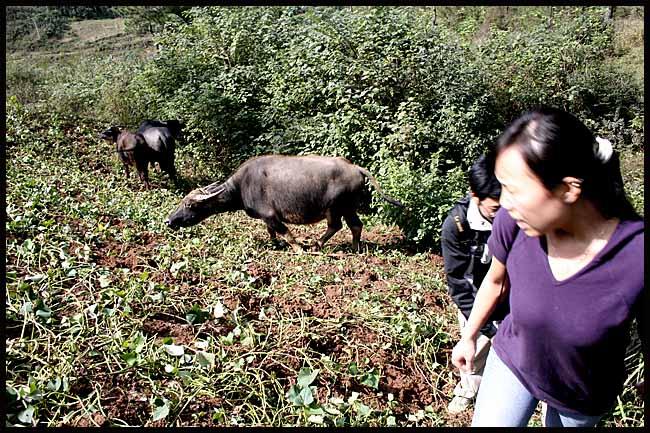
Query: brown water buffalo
pixel 161 137
pixel 132 150
pixel 281 189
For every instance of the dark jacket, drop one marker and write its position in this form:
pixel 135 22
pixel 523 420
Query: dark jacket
pixel 463 252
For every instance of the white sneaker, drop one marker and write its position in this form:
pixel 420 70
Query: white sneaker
pixel 459 404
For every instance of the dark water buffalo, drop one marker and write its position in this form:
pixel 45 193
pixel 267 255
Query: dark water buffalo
pixel 282 189
pixel 161 137
pixel 132 150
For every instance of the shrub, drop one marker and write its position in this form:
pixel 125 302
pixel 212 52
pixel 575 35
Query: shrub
pixel 563 66
pixel 427 194
pixel 377 85
pixel 23 82
pixel 31 26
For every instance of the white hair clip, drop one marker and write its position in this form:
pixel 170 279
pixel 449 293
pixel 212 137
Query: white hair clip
pixel 604 150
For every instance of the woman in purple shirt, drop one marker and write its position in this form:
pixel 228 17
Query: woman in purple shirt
pixel 567 249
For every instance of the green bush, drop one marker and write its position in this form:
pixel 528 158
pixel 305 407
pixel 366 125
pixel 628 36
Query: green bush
pixel 564 66
pixel 372 84
pixel 604 98
pixel 32 26
pixel 122 100
pixel 427 196
pixel 23 82
pixel 105 88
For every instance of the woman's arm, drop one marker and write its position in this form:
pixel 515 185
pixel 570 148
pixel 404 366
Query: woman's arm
pixel 494 286
pixel 492 290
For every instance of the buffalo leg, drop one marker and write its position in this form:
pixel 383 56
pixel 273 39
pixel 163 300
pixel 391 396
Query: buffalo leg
pixel 355 224
pixel 171 156
pixel 277 227
pixel 143 172
pixel 165 167
pixel 168 167
pixel 334 224
pixel 171 170
pixel 271 233
pixel 126 170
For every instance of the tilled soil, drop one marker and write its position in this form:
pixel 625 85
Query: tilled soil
pixel 342 286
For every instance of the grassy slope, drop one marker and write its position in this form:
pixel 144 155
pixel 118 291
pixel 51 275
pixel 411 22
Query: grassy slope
pixel 629 46
pixel 89 36
pixel 95 282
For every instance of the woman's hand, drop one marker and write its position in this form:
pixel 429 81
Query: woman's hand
pixel 463 355
pixel 494 286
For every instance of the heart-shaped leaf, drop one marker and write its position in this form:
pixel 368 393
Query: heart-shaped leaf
pixel 27 415
pixel 161 411
pixel 205 359
pixel 174 350
pixel 306 376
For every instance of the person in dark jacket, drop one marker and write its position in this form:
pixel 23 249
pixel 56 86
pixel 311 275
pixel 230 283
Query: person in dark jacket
pixel 467 258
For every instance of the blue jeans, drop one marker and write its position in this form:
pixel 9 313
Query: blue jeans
pixel 502 401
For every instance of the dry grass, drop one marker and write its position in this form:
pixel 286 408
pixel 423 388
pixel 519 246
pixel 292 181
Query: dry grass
pixel 94 30
pixel 628 39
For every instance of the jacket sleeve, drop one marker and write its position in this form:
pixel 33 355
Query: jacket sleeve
pixel 457 259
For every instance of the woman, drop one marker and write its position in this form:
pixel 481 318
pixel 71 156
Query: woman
pixel 567 246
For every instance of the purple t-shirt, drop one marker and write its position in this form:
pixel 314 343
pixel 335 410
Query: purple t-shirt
pixel 565 340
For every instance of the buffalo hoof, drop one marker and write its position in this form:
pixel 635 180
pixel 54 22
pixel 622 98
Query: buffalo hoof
pixel 314 245
pixel 297 249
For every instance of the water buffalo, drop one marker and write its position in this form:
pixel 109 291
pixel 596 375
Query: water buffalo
pixel 281 189
pixel 161 137
pixel 132 150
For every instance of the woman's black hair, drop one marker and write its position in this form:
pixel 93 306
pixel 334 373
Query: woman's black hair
pixel 555 144
pixel 482 180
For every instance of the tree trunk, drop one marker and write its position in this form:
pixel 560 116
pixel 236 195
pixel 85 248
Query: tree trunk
pixel 38 34
pixel 609 15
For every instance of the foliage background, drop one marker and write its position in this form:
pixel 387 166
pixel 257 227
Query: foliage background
pixel 408 92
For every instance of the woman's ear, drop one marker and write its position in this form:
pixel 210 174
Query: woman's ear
pixel 572 189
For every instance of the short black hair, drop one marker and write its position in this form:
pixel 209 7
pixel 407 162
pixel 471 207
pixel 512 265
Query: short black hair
pixel 482 180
